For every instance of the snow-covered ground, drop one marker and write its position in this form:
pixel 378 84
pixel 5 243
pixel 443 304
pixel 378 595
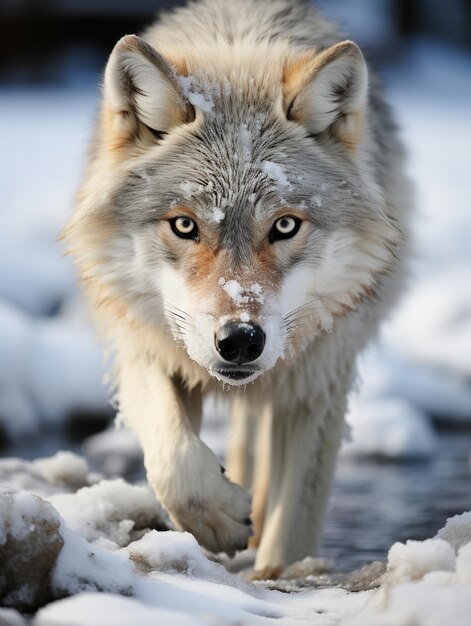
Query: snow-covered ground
pixel 50 367
pixel 88 550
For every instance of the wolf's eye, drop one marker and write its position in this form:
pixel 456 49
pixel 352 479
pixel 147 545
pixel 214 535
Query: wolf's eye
pixel 284 228
pixel 184 227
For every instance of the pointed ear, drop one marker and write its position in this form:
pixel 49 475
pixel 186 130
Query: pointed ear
pixel 140 87
pixel 328 91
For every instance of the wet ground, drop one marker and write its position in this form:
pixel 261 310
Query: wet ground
pixel 375 503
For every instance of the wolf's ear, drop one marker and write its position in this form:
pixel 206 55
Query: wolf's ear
pixel 328 91
pixel 140 87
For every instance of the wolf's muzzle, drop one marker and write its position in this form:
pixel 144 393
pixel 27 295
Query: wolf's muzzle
pixel 240 342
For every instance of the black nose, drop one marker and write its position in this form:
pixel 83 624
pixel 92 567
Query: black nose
pixel 240 343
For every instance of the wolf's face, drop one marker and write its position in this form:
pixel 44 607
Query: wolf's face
pixel 242 213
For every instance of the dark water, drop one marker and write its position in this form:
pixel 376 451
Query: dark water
pixel 375 504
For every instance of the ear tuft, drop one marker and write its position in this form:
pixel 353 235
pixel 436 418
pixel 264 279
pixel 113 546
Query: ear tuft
pixel 328 91
pixel 140 83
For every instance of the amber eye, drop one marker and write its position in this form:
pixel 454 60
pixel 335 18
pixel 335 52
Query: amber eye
pixel 184 227
pixel 284 228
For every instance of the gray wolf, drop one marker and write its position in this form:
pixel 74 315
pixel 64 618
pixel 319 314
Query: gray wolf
pixel 241 230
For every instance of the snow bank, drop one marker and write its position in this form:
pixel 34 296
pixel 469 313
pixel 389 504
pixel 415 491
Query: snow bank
pixel 427 583
pixel 48 369
pixel 62 473
pixel 390 428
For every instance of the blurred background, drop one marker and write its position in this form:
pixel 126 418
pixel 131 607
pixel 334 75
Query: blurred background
pixel 405 463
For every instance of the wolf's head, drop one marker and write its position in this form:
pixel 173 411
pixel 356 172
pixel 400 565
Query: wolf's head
pixel 233 199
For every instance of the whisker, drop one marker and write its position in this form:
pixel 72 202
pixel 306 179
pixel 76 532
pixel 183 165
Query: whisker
pixel 302 306
pixel 181 311
pixel 177 315
pixel 304 315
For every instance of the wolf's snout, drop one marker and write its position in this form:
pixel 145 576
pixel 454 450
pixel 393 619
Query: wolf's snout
pixel 240 342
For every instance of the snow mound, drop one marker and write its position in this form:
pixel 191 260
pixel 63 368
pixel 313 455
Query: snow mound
pixel 111 513
pixel 63 472
pixel 391 428
pixel 426 584
pixel 457 530
pixel 414 559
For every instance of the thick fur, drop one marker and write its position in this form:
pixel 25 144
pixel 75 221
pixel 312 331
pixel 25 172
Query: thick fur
pixel 234 113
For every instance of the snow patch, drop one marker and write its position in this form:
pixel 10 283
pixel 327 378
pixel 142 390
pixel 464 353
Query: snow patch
pixel 218 215
pixel 457 530
pixel 241 295
pixel 197 93
pixel 109 512
pixel 276 173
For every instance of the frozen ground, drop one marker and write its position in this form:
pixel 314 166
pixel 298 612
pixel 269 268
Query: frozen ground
pixel 50 370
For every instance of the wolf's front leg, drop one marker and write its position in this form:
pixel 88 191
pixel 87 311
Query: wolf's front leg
pixel 304 448
pixel 184 473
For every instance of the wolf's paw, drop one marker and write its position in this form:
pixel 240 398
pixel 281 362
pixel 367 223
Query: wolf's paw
pixel 219 520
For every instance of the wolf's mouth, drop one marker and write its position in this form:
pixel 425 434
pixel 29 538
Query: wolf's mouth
pixel 235 374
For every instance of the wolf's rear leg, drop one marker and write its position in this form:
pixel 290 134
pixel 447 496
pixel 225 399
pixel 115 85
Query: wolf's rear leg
pixel 304 448
pixel 183 472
